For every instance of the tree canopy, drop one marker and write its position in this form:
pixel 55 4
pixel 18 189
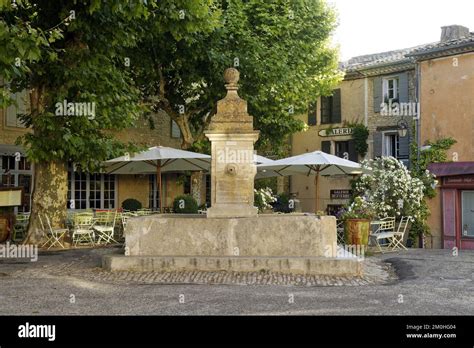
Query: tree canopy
pixel 280 47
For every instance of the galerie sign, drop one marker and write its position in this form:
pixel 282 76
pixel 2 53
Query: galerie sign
pixel 340 194
pixel 335 131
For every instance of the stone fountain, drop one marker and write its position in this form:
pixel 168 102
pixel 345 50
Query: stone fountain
pixel 233 237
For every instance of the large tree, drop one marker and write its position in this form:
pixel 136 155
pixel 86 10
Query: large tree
pixel 78 52
pixel 281 48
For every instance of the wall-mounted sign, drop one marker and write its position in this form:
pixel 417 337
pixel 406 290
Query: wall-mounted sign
pixel 11 196
pixel 341 194
pixel 459 180
pixel 330 132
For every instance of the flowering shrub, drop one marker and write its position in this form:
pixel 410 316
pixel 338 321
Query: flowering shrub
pixel 390 189
pixel 263 198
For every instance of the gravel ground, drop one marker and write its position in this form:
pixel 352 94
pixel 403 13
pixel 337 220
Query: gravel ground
pixel 413 282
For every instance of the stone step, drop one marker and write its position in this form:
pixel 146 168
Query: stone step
pixel 294 265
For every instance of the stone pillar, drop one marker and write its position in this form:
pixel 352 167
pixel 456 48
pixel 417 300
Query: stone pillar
pixel 232 167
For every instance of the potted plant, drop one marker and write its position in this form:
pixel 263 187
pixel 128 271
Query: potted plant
pixel 357 222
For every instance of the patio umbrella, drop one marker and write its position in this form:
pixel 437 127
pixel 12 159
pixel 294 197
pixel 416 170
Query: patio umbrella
pixel 158 159
pixel 312 163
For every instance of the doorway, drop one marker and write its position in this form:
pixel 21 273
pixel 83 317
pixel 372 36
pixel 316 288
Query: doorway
pixel 467 219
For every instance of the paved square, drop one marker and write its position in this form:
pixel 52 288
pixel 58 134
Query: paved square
pixel 415 282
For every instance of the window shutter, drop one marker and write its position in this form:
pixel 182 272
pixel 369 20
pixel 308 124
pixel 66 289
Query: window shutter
pixel 11 116
pixel 404 149
pixel 326 146
pixel 325 110
pixel 378 98
pixel 175 131
pixel 377 144
pixel 336 106
pixel 312 113
pixel 403 88
pixel 353 156
pixel 13 111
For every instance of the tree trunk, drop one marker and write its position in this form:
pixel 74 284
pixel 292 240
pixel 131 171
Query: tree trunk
pixel 49 198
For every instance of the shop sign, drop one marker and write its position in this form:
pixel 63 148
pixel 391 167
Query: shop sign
pixel 341 194
pixel 330 132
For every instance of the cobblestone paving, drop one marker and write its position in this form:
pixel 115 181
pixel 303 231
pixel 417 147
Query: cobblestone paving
pixel 85 264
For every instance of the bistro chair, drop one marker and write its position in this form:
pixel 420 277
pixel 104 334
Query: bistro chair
pixel 21 224
pixel 399 235
pixel 340 232
pixel 384 233
pixel 105 226
pixel 83 231
pixel 53 236
pixel 143 212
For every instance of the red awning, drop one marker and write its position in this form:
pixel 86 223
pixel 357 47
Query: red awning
pixel 451 168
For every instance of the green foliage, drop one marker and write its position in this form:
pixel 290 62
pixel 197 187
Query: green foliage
pixel 360 135
pixel 267 182
pixel 435 154
pixel 185 204
pixel 390 189
pixel 75 56
pixel 280 47
pixel 131 204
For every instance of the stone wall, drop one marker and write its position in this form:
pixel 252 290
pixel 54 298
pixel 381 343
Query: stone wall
pixel 265 235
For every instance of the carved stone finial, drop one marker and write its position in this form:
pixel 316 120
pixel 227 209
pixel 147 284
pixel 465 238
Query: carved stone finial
pixel 231 76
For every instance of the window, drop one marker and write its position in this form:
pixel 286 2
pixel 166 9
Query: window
pixel 391 145
pixel 467 198
pixel 331 108
pixel 15 171
pixel 175 131
pixel 8 163
pixel 390 89
pixel 94 191
pixel 342 149
pixel 312 109
pixel 13 111
pixel 90 191
pixel 109 191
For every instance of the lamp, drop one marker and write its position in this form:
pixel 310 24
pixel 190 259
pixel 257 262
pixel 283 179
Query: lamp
pixel 402 128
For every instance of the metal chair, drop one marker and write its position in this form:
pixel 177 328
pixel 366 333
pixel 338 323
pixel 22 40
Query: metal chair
pixel 340 232
pixel 385 231
pixel 21 224
pixel 399 235
pixel 54 236
pixel 105 226
pixel 83 230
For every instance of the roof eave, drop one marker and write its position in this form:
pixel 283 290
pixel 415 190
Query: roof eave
pixel 443 51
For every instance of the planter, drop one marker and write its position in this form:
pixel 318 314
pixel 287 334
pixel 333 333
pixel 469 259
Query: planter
pixel 356 231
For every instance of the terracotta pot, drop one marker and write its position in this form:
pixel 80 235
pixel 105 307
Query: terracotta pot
pixel 356 231
pixel 4 230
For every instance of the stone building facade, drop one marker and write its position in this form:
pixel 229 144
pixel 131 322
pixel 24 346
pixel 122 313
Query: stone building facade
pixel 436 80
pixel 367 83
pixel 447 110
pixel 99 191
